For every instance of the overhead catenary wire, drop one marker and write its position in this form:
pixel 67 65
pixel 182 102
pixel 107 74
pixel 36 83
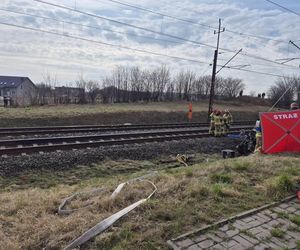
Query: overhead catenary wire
pixel 101 43
pixel 229 61
pixel 257 72
pixel 161 14
pixel 109 30
pixel 113 31
pixel 128 48
pixel 157 32
pixel 91 26
pixel 122 23
pixel 282 7
pixel 190 21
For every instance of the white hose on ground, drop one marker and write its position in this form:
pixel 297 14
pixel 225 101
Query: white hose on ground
pixel 104 224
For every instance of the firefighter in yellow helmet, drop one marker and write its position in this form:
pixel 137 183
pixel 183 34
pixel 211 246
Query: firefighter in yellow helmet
pixel 227 119
pixel 212 123
pixel 218 124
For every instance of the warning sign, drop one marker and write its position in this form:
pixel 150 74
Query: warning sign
pixel 280 131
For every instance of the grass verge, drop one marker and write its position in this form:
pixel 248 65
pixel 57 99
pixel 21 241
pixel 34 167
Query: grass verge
pixel 187 198
pixel 119 113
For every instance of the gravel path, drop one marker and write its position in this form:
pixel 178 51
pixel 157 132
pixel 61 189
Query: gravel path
pixel 67 159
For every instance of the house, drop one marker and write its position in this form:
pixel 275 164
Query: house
pixel 69 95
pixel 17 91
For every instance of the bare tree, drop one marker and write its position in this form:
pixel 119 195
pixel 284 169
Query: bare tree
pixel 81 83
pixel 92 88
pixel 179 85
pixel 185 81
pixel 134 84
pixel 199 88
pixel 148 84
pixel 232 87
pixel 44 93
pixel 287 85
pixel 163 78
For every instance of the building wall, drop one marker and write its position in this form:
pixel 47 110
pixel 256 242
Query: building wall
pixel 24 95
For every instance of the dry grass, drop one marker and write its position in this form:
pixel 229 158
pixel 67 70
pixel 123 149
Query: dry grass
pixel 187 198
pixel 63 111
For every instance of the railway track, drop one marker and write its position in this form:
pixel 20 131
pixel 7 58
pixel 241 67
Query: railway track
pixel 34 145
pixel 24 131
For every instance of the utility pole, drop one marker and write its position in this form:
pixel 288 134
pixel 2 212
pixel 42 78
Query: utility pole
pixel 213 78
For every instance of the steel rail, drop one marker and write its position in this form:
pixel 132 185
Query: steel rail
pixel 87 138
pixel 136 138
pixel 15 131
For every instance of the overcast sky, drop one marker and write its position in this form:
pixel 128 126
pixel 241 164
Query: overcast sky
pixel 35 54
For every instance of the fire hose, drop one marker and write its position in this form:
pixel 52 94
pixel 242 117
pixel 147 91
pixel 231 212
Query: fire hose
pixel 106 223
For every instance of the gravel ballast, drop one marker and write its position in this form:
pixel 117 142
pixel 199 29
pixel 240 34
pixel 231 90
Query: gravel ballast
pixel 12 165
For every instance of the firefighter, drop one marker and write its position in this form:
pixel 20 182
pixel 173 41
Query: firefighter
pixel 227 118
pixel 218 124
pixel 294 106
pixel 222 113
pixel 212 123
pixel 258 136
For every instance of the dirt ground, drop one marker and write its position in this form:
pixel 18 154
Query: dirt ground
pixel 120 113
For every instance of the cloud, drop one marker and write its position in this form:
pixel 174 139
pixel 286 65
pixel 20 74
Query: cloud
pixel 32 53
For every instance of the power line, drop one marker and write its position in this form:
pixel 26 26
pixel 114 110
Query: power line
pixel 113 31
pixel 156 32
pixel 103 29
pixel 128 48
pixel 191 22
pixel 122 23
pixel 256 36
pixel 287 9
pixel 99 42
pixel 259 64
pixel 257 72
pixel 91 27
pixel 228 61
pixel 295 44
pixel 160 14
